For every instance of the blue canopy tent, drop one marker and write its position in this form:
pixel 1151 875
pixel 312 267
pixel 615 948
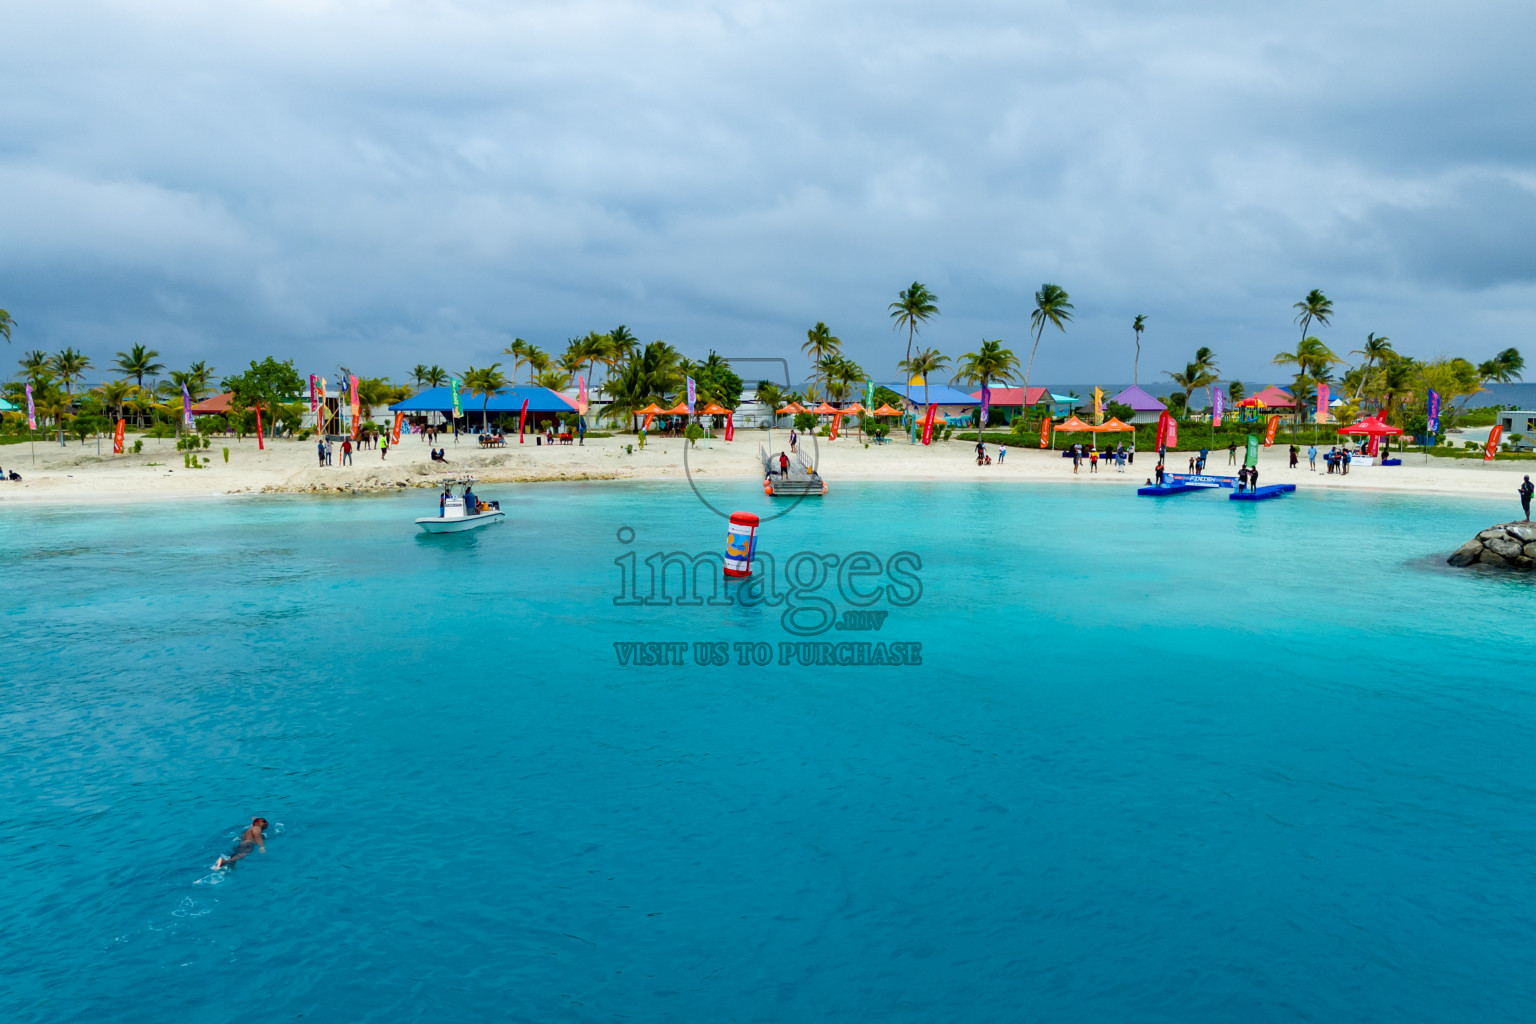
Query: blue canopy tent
pixel 6 406
pixel 542 403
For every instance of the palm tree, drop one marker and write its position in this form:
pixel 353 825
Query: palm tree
pixel 435 377
pixel 771 395
pixel 538 362
pixel 35 365
pixel 117 393
pixel 1311 359
pixel 647 377
pixel 202 373
pixel 1193 377
pixel 485 381
pixel 622 347
pixel 6 323
pixel 1374 349
pixel 517 350
pixel 1205 359
pixel 927 361
pixel 138 362
pixel 418 374
pixel 1506 367
pixel 1138 325
pixel 913 307
pixel 1051 307
pixel 70 366
pixel 1316 306
pixel 988 363
pixel 821 346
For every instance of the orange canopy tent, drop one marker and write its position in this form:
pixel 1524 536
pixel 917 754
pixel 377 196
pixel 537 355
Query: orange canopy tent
pixel 680 409
pixel 886 410
pixel 794 407
pixel 713 409
pixel 650 410
pixel 853 410
pixel 1114 426
pixel 1073 425
pixel 826 409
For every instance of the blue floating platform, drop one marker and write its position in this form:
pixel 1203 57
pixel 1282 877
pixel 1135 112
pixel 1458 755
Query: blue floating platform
pixel 1161 490
pixel 1263 493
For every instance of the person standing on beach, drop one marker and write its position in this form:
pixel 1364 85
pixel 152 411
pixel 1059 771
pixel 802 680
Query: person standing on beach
pixel 1253 478
pixel 1002 453
pixel 1312 458
pixel 1077 458
pixel 1130 454
pixel 320 450
pixel 1093 459
pixel 1232 454
pixel 330 452
pixel 1526 490
pixel 1346 462
pixel 346 452
pixel 384 448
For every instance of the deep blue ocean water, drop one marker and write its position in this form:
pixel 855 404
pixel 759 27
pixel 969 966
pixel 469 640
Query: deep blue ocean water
pixel 1163 760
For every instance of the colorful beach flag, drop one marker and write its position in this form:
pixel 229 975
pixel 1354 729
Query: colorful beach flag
pixel 928 424
pixel 1269 431
pixel 357 407
pixel 31 412
pixel 394 435
pixel 522 421
pixel 453 385
pixel 1434 414
pixel 311 394
pixel 1492 447
pixel 693 395
pixel 259 442
pixel 986 401
pixel 581 394
pixel 1098 405
pixel 186 406
pixel 869 394
pixel 1045 433
pixel 117 437
pixel 321 410
pixel 1251 457
pixel 1218 406
pixel 1322 403
pixel 730 426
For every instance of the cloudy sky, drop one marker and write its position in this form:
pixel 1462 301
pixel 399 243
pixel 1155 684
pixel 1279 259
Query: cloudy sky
pixel 385 183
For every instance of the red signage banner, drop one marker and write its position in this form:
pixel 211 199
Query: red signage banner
pixel 117 439
pixel 259 442
pixel 1045 433
pixel 357 407
pixel 1269 432
pixel 522 421
pixel 730 427
pixel 928 424
pixel 1493 443
pixel 394 435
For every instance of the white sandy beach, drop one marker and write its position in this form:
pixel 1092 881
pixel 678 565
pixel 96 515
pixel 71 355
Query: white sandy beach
pixel 75 473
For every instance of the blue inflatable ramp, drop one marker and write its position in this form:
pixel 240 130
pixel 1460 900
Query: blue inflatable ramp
pixel 1263 493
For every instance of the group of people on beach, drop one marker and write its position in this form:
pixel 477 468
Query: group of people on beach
pixel 15 476
pixel 325 449
pixel 983 459
pixel 1120 455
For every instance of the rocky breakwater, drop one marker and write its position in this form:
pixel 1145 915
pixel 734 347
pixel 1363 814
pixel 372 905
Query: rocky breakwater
pixel 1511 545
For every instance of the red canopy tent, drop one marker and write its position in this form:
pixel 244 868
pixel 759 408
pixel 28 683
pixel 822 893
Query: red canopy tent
pixel 1373 427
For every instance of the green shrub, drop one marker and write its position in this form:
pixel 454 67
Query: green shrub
pixel 693 433
pixel 226 456
pixel 138 445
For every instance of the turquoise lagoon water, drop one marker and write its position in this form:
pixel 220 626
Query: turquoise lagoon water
pixel 1168 760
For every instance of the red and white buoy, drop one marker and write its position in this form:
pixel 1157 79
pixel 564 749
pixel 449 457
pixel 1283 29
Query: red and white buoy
pixel 740 544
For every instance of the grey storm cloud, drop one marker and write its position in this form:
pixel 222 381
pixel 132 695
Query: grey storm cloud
pixel 389 183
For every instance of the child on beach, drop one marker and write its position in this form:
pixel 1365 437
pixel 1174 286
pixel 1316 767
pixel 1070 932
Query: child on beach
pixel 1002 453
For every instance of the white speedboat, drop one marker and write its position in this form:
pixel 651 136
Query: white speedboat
pixel 463 511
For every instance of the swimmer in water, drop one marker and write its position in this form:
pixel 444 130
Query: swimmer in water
pixel 251 839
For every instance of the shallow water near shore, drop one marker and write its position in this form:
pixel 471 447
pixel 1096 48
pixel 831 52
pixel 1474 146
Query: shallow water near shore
pixel 1180 759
